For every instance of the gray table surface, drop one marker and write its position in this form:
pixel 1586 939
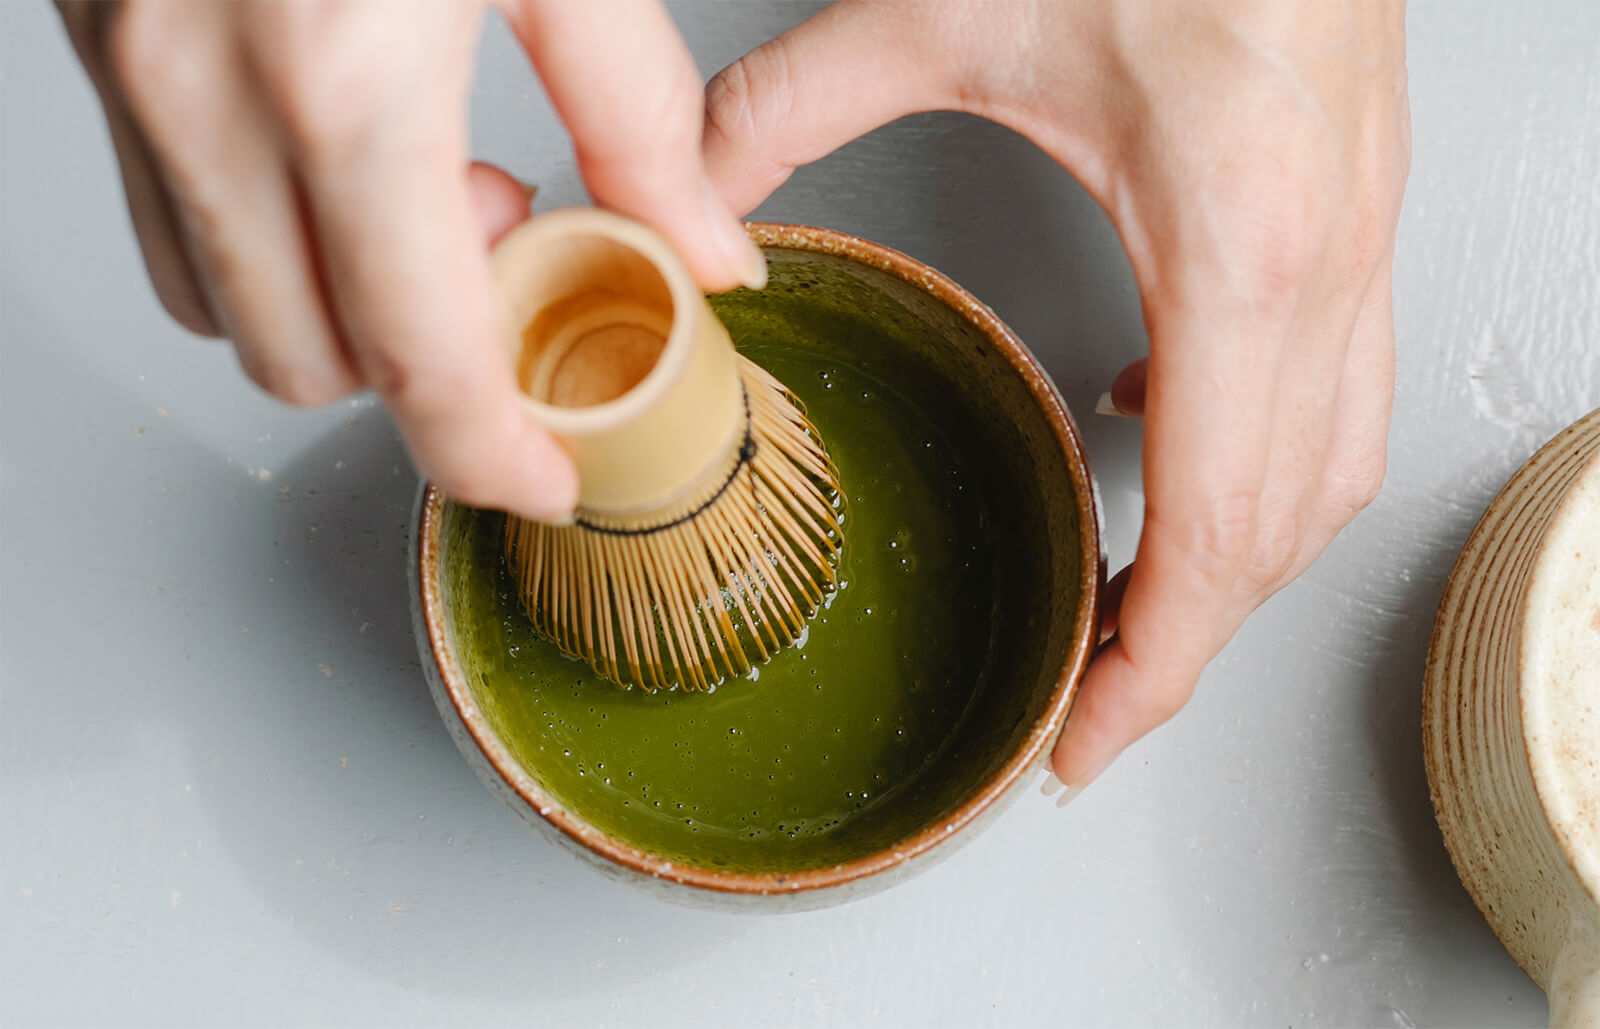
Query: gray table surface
pixel 226 797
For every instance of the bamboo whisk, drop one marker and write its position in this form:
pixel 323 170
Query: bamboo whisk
pixel 707 530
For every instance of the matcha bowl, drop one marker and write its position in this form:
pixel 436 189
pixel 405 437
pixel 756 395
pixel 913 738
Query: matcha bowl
pixel 925 694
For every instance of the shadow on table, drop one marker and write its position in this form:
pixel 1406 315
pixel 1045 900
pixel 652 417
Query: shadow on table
pixel 256 658
pixel 360 823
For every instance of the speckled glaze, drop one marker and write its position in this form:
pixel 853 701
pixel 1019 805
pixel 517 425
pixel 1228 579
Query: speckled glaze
pixel 1511 721
pixel 980 359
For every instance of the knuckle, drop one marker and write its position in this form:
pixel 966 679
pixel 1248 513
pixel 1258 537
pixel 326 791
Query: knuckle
pixel 728 101
pixel 314 117
pixel 1275 549
pixel 1351 488
pixel 1283 249
pixel 319 74
pixel 1217 544
pixel 744 94
pixel 395 383
pixel 1369 242
pixel 1373 220
pixel 1284 195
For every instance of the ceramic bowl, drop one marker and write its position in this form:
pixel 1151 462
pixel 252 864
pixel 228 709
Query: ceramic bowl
pixel 1511 719
pixel 955 354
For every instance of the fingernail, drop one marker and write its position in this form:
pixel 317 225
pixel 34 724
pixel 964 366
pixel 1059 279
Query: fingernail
pixel 1075 789
pixel 1105 406
pixel 563 514
pixel 557 518
pixel 530 189
pixel 1051 785
pixel 543 512
pixel 740 255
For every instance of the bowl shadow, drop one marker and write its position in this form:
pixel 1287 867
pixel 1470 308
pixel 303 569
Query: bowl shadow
pixel 383 829
pixel 266 647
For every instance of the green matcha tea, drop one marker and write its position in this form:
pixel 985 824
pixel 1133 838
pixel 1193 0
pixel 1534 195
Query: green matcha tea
pixel 799 764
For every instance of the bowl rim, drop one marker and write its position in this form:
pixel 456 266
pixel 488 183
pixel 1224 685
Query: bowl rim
pixel 1041 737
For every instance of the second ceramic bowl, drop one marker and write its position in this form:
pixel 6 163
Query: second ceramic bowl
pixel 900 319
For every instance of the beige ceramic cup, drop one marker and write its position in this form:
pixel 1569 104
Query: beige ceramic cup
pixel 1511 719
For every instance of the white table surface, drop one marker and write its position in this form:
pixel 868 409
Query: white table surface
pixel 225 796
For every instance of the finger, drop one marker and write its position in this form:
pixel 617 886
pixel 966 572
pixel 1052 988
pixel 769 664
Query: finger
pixel 1127 391
pixel 1358 443
pixel 1308 391
pixel 1350 474
pixel 414 296
pixel 838 75
pixel 627 89
pixel 500 200
pixel 161 243
pixel 235 199
pixel 1210 388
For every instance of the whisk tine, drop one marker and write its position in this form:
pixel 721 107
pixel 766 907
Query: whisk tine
pixel 716 545
pixel 748 562
pixel 809 531
pixel 760 557
pixel 686 618
pixel 691 603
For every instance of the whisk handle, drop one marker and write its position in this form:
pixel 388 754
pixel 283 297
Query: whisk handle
pixel 619 356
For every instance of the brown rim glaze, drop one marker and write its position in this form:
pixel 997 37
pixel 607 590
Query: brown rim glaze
pixel 1046 728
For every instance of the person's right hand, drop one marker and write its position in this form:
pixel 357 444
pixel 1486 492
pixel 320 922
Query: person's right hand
pixel 299 180
pixel 1252 155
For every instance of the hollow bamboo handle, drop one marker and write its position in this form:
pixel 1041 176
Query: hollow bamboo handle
pixel 584 297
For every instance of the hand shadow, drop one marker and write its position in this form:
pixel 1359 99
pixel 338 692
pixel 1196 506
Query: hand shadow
pixel 258 656
pixel 386 821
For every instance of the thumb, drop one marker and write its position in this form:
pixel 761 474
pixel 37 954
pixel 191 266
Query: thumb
pixel 837 75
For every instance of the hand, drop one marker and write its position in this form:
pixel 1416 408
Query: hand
pixel 299 181
pixel 1252 154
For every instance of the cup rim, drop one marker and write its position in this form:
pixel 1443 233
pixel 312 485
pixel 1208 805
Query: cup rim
pixel 1041 737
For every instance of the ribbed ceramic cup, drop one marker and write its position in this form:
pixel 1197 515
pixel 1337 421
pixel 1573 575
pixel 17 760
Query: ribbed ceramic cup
pixel 1511 720
pixel 958 355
